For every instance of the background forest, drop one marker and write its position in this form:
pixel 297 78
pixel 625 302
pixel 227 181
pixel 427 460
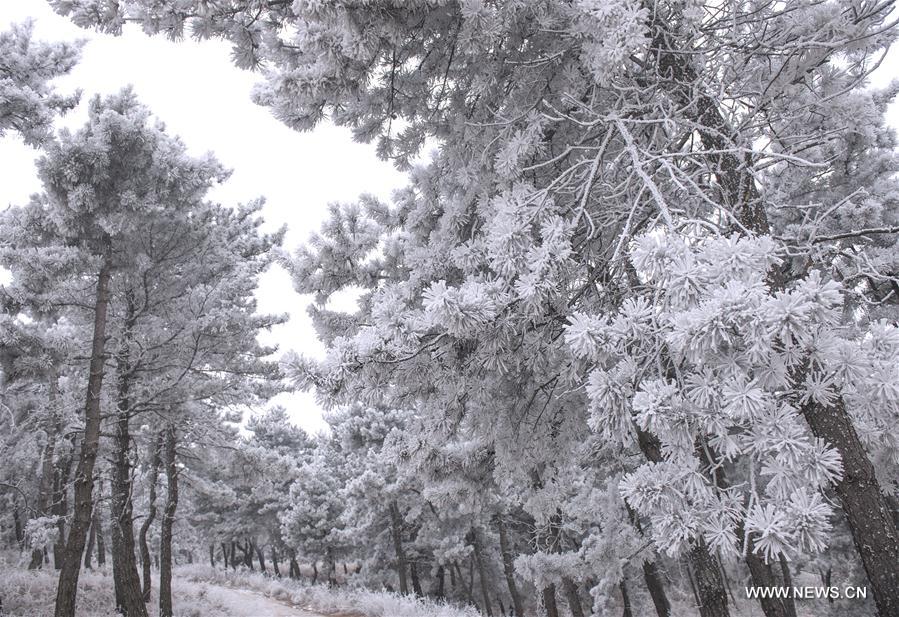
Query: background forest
pixel 625 344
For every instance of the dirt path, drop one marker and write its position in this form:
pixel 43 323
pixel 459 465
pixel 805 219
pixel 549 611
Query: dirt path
pixel 247 603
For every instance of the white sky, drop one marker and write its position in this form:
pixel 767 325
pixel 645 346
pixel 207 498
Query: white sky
pixel 196 90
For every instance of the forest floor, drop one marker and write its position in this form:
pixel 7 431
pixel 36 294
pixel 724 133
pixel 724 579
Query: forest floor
pixel 247 603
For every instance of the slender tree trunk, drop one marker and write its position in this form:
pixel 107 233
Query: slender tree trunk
pixel 97 524
pixel 294 566
pixel 416 582
pixel 155 464
pixel 45 487
pixel 259 555
pixel 129 596
pixel 275 562
pixel 225 557
pixel 396 526
pixel 509 566
pixel 84 475
pixel 709 585
pixel 482 574
pixel 212 555
pixel 549 601
pixel 439 583
pixel 168 521
pixel 571 594
pixel 89 549
pixel 788 582
pixel 60 507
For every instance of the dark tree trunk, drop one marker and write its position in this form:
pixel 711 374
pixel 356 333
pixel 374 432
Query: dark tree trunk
pixel 101 541
pixel 18 529
pixel 656 589
pixel 416 583
pixel 314 571
pixel 294 566
pixel 709 585
pixel 60 507
pixel 168 521
pixel 129 598
pixel 788 582
pixel 482 570
pixel 549 601
pixel 509 566
pixel 89 549
pixel 155 464
pixel 439 589
pixel 225 557
pixel 233 555
pixel 625 599
pixel 45 487
pixel 571 595
pixel 707 578
pixel 259 555
pixel 870 519
pixel 84 475
pixel 396 527
pixel 275 562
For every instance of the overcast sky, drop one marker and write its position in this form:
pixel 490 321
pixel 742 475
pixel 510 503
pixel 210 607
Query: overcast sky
pixel 196 90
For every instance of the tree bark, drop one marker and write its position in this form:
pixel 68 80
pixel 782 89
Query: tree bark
pixel 656 589
pixel 867 512
pixel 509 566
pixel 709 586
pixel 396 527
pixel 97 524
pixel 168 521
pixel 275 562
pixel 416 583
pixel 571 594
pixel 129 596
pixel 549 601
pixel 84 475
pixel 89 549
pixel 259 555
pixel 151 516
pixel 45 487
pixel 439 589
pixel 482 573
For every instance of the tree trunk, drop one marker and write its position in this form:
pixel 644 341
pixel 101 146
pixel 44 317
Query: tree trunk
pixel 129 598
pixel 294 566
pixel 416 583
pixel 709 586
pixel 168 520
pixel 509 566
pixel 656 589
pixel 707 578
pixel 84 475
pixel 275 562
pixel 870 519
pixel 571 594
pixel 45 487
pixel 101 542
pixel 225 558
pixel 439 589
pixel 549 601
pixel 89 549
pixel 396 527
pixel 259 555
pixel 482 573
pixel 151 516
pixel 60 507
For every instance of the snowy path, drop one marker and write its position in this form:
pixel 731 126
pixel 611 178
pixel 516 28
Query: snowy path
pixel 246 603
